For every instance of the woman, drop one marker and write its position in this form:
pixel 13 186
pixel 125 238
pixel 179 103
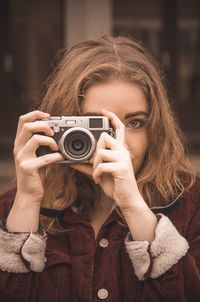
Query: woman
pixel 125 225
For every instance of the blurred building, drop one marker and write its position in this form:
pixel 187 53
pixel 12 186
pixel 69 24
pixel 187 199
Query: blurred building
pixel 33 31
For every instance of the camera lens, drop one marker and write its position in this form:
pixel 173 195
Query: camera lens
pixel 77 144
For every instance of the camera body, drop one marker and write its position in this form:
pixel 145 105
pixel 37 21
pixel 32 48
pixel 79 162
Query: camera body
pixel 76 136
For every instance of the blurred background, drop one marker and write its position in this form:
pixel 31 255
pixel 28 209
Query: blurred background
pixel 33 31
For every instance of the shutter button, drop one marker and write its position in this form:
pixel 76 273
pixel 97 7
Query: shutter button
pixel 103 242
pixel 102 293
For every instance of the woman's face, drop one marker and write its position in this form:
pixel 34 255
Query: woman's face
pixel 129 103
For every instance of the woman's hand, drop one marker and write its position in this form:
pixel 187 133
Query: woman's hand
pixel 27 163
pixel 24 215
pixel 112 166
pixel 113 170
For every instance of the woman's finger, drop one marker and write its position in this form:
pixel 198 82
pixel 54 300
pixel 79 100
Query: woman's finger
pixel 35 141
pixel 30 117
pixel 106 141
pixel 28 129
pixel 117 125
pixel 30 165
pixel 105 155
pixel 108 168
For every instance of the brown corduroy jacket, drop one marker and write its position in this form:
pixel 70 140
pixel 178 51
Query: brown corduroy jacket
pixel 80 268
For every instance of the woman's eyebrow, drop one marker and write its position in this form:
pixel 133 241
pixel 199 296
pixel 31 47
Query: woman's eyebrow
pixel 131 114
pixel 92 113
pixel 136 113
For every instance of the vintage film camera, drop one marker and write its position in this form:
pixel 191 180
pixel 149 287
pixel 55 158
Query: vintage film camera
pixel 76 136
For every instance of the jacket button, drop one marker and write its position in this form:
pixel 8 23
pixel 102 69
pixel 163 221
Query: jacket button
pixel 102 293
pixel 103 242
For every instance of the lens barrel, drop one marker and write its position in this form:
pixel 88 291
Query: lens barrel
pixel 77 144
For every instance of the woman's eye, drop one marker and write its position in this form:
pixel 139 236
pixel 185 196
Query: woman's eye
pixel 134 124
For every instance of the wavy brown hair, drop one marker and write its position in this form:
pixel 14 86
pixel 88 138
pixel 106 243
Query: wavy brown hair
pixel 166 170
